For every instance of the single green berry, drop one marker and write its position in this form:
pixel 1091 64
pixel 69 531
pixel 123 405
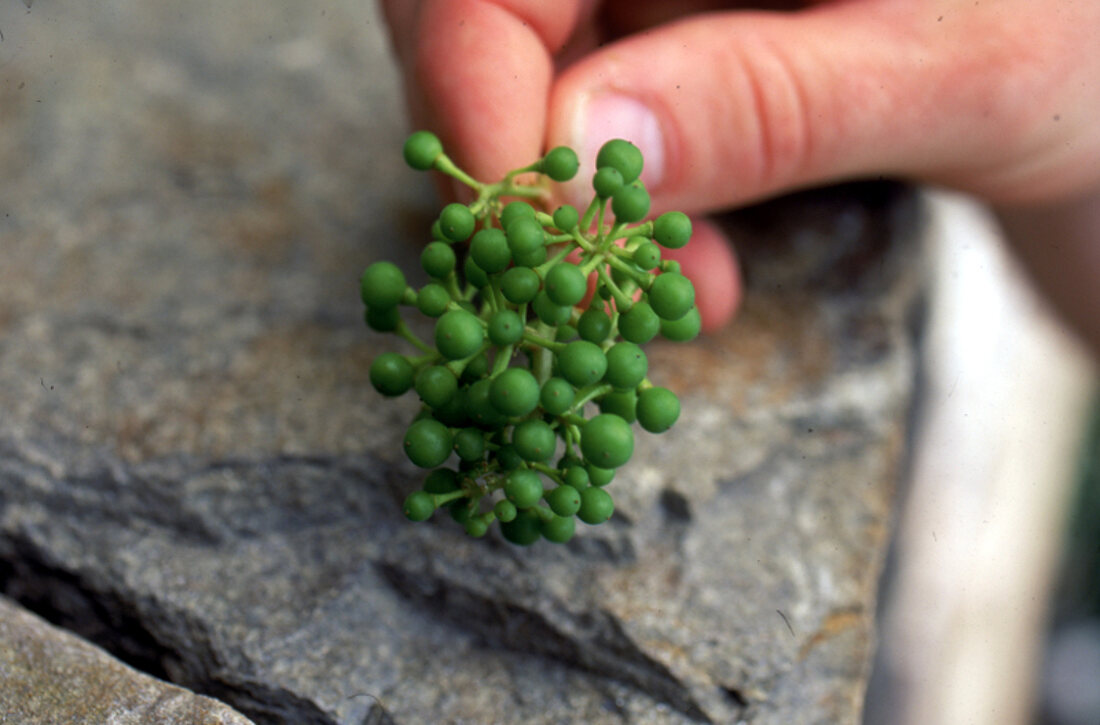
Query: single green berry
pixel 391 374
pixel 508 459
pixel 626 365
pixel 565 333
pixel 564 500
pixel 504 510
pixel 457 222
pixel 505 328
pixel 453 412
pixel 622 156
pixel 671 295
pixel 458 334
pixel 524 233
pixel 523 487
pixel 566 217
pixel 441 480
pixel 382 285
pixel 514 210
pixel 421 150
pixel 647 255
pixel 621 403
pixel 476 369
pixel 594 325
pixel 475 275
pixel 419 506
pixel 582 363
pixel 550 312
pixel 534 440
pixel 672 229
pixel 436 385
pixel 684 329
pixel 524 530
pixel 432 299
pixel 489 249
pixel 566 284
pixel 520 285
pixel 469 444
pixel 658 409
pixel 560 163
pixel 476 527
pixel 558 529
pixel 438 259
pixel 596 506
pixel 531 258
pixel 480 407
pixel 461 510
pixel 428 443
pixel 577 477
pixel 606 181
pixel 382 319
pixel 514 392
pixel 607 441
pixel 599 476
pixel 630 203
pixel 639 324
pixel 556 396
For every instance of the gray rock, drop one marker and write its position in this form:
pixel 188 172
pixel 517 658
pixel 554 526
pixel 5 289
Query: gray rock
pixel 53 676
pixel 196 474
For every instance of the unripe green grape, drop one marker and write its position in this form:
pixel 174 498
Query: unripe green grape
pixel 566 217
pixel 577 477
pixel 534 440
pixel 620 403
pixel 549 312
pixel 519 285
pixel 672 229
pixel 556 396
pixel 438 259
pixel 476 527
pixel 504 510
pixel 419 506
pixel 508 459
pixel 630 203
pixel 428 443
pixel 647 255
pixel 441 480
pixel 684 329
pixel 436 385
pixel 469 444
pixel 566 284
pixel 489 250
pixel 594 325
pixel 599 476
pixel 475 275
pixel 560 163
pixel 514 392
pixel 452 413
pixel 596 506
pixel 606 181
pixel 391 374
pixel 382 319
pixel 523 487
pixel 658 409
pixel 437 233
pixel 626 365
pixel 607 441
pixel 480 407
pixel 461 510
pixel 623 156
pixel 382 285
pixel 476 369
pixel 458 334
pixel 421 150
pixel 639 324
pixel 432 299
pixel 457 222
pixel 564 500
pixel 523 530
pixel 532 257
pixel 582 363
pixel 671 295
pixel 565 333
pixel 514 210
pixel 558 529
pixel 505 328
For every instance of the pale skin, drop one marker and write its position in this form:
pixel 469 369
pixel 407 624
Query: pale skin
pixel 997 98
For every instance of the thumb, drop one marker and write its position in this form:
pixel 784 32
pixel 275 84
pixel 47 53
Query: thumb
pixel 735 106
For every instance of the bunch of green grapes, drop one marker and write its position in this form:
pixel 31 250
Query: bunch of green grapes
pixel 532 382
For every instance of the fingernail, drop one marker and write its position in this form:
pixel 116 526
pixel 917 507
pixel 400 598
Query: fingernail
pixel 613 115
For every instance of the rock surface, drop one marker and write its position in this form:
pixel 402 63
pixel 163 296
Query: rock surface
pixel 52 676
pixel 196 474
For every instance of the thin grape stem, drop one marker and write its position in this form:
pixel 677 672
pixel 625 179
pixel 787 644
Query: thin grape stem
pixel 502 360
pixel 643 279
pixel 441 499
pixel 589 213
pixel 590 393
pixel 444 165
pixel 543 343
pixel 551 473
pixel 407 334
pixel 622 301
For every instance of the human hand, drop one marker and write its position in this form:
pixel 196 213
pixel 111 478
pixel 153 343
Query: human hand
pixel 730 105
